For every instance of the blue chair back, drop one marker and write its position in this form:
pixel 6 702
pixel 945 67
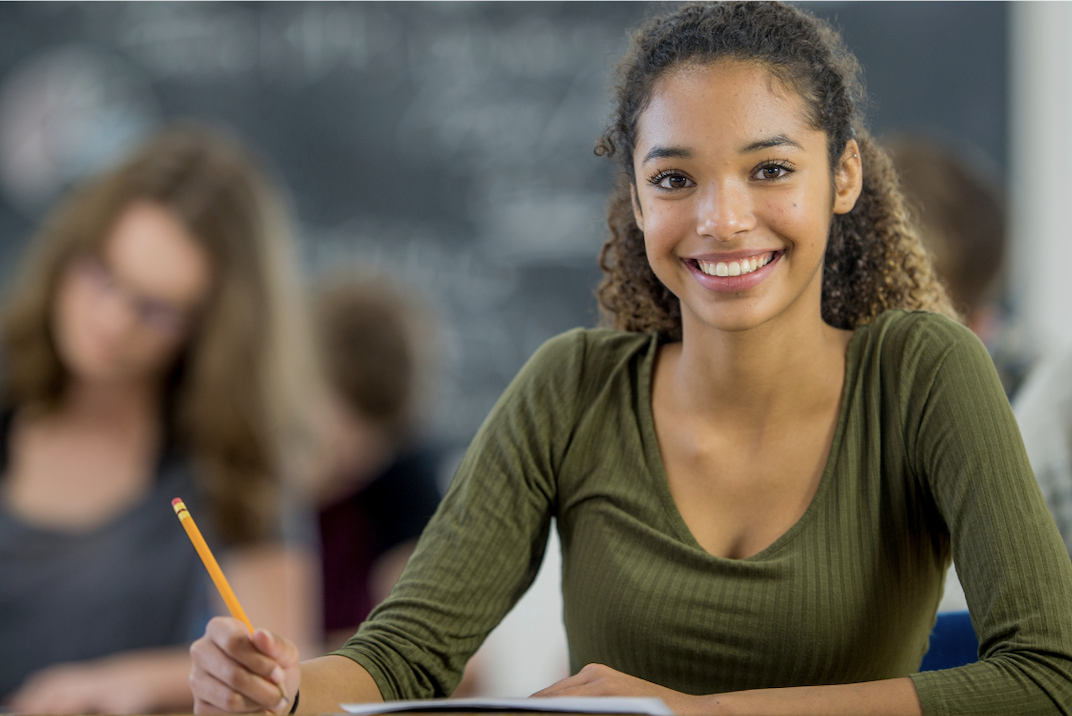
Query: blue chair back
pixel 952 643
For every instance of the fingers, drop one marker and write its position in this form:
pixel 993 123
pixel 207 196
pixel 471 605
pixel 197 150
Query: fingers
pixel 280 650
pixel 602 680
pixel 230 673
pixel 214 696
pixel 284 653
pixel 592 680
pixel 233 638
pixel 571 685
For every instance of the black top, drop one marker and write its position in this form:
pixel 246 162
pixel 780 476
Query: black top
pixel 135 582
pixel 356 530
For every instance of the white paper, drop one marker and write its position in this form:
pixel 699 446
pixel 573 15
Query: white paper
pixel 577 704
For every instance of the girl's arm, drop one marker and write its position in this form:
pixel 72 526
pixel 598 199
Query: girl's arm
pixel 891 697
pixel 130 682
pixel 473 562
pixel 967 454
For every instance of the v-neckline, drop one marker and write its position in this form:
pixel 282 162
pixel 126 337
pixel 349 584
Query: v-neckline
pixel 657 470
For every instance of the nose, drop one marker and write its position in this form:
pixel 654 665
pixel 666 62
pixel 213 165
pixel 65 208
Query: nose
pixel 725 209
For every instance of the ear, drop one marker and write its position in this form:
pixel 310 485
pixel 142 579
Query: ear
pixel 638 216
pixel 848 179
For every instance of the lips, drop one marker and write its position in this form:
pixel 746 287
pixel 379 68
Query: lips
pixel 733 273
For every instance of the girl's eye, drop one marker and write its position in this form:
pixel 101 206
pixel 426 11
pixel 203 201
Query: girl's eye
pixel 670 180
pixel 772 171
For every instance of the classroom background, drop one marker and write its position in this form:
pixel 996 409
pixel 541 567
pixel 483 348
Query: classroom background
pixel 450 146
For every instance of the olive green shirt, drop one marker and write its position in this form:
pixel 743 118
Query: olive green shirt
pixel 926 463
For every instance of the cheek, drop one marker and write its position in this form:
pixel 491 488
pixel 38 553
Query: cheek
pixel 657 240
pixel 803 216
pixel 71 313
pixel 664 226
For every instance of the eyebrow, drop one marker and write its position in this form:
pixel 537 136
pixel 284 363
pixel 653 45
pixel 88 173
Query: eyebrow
pixel 780 140
pixel 667 153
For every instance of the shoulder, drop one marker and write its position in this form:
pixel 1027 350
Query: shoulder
pixel 566 372
pixel 920 342
pixel 932 373
pixel 918 330
pixel 593 344
pixel 588 352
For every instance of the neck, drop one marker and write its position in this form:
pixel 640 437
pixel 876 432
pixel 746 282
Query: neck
pixel 111 403
pixel 782 368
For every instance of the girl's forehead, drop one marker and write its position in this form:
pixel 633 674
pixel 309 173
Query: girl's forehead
pixel 750 73
pixel 721 98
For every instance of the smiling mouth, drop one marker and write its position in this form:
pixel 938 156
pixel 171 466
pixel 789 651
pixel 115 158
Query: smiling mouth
pixel 737 267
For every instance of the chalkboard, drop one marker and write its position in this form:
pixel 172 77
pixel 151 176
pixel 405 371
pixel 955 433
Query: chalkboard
pixel 447 143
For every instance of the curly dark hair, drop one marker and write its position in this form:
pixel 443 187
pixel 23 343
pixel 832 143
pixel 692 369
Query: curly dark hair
pixel 874 257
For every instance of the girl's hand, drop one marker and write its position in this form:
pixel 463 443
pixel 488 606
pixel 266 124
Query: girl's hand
pixel 142 681
pixel 600 680
pixel 238 672
pixel 82 687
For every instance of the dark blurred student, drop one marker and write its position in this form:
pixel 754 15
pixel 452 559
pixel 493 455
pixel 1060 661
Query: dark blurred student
pixel 381 487
pixel 151 349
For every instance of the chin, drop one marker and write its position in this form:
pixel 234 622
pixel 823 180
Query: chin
pixel 727 319
pixel 95 374
pixel 92 366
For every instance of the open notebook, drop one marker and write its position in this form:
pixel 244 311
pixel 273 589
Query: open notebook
pixel 582 705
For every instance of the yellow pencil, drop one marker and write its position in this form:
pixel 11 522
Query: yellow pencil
pixel 214 570
pixel 211 565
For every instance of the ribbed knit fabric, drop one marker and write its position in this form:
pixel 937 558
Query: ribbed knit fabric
pixel 926 462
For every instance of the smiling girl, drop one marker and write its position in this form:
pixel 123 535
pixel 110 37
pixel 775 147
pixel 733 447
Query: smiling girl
pixel 760 477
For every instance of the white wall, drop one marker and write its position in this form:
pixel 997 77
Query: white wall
pixel 528 651
pixel 1041 169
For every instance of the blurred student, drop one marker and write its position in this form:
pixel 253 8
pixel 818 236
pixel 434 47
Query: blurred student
pixel 381 487
pixel 959 204
pixel 151 349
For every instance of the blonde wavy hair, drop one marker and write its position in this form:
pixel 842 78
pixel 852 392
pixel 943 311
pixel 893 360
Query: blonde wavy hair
pixel 874 257
pixel 236 398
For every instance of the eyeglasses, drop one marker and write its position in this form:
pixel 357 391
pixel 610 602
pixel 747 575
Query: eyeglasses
pixel 160 316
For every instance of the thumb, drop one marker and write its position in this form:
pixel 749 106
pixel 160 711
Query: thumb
pixel 274 647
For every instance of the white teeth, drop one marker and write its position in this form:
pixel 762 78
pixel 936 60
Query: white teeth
pixel 734 268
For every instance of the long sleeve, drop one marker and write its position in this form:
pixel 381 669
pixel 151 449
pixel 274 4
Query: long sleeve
pixel 484 545
pixel 964 447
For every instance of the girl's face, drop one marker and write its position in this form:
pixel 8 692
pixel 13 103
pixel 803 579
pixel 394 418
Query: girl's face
pixel 734 195
pixel 122 315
